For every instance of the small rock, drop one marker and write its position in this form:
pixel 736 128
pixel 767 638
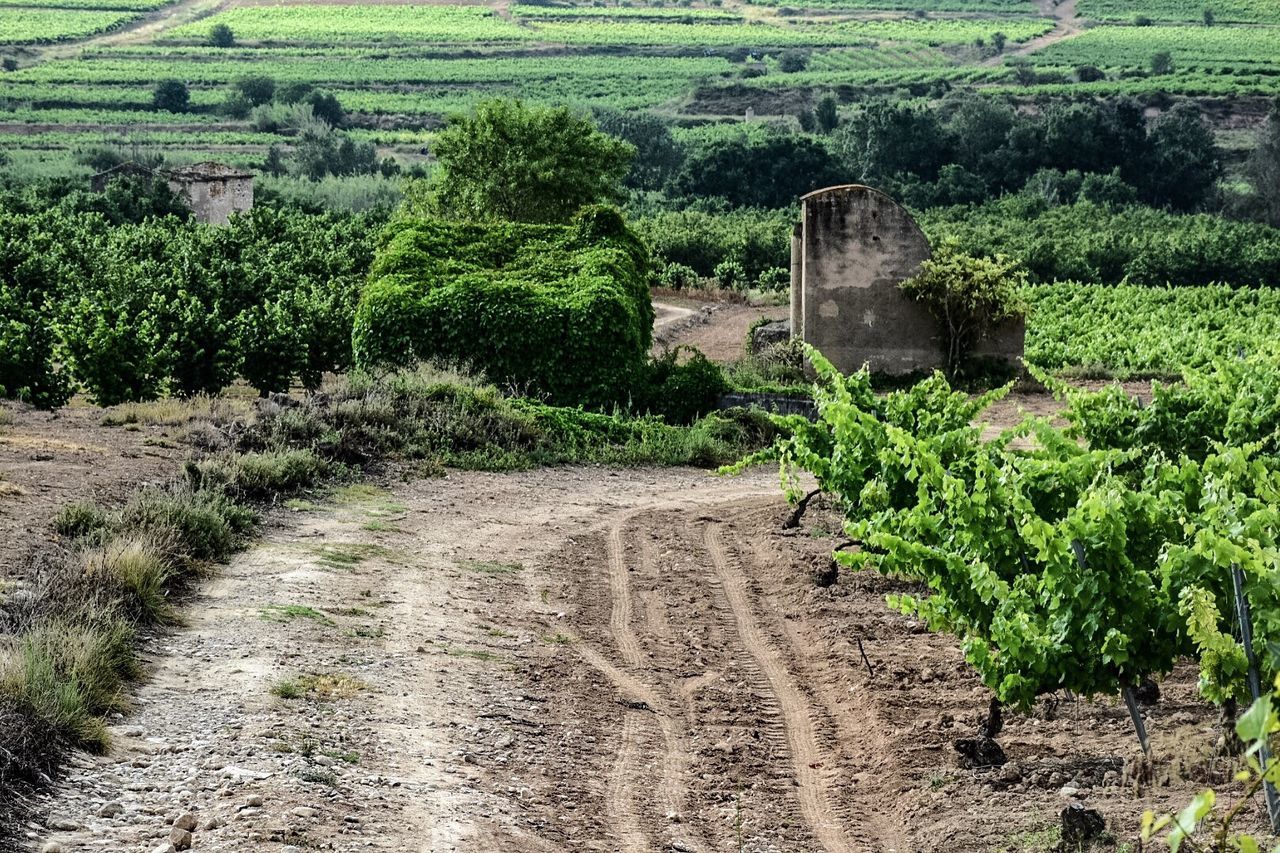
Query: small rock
pixel 1110 778
pixel 211 822
pixel 1080 824
pixel 165 848
pixel 53 847
pixel 254 801
pixel 323 760
pixel 351 819
pixel 62 824
pixel 179 838
pixel 110 809
pixel 186 821
pixel 1068 792
pixel 304 811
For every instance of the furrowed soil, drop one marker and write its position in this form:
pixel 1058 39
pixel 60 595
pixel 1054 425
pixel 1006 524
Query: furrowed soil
pixel 584 659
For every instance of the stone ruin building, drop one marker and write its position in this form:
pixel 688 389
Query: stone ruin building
pixel 213 191
pixel 852 248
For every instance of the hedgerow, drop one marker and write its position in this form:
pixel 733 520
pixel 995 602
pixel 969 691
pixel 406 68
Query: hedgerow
pixel 562 311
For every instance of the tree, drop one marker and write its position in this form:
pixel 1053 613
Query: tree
pixel 1183 163
pixel 325 107
pixel 220 35
pixel 171 96
pixel 793 61
pixel 826 115
pixel 506 160
pixel 770 172
pixel 658 156
pixel 998 40
pixel 257 89
pixel 887 139
pixel 1263 167
pixel 1161 63
pixel 1089 73
pixel 967 296
pixel 1208 17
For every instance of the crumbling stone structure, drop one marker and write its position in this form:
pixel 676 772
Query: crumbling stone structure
pixel 213 191
pixel 852 248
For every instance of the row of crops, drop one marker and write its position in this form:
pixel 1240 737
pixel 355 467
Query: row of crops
pixel 46 26
pixel 1128 330
pixel 1223 11
pixel 1084 558
pixel 391 24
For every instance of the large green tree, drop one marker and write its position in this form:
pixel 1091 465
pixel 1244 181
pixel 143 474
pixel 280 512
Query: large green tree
pixel 506 160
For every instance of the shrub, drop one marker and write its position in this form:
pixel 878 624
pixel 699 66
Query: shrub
pixel 730 274
pixel 678 277
pixel 171 96
pixel 967 296
pixel 81 520
pixel 220 35
pixel 793 61
pixel 136 567
pixel 201 526
pixel 69 671
pixel 261 475
pixel 683 391
pixel 562 311
pixel 774 279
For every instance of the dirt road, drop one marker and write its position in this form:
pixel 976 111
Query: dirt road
pixel 578 660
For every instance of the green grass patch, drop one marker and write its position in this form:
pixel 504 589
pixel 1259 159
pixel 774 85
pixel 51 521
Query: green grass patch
pixel 324 686
pixel 289 612
pixel 347 555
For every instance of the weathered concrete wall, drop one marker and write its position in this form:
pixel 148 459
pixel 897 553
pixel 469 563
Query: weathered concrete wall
pixel 856 245
pixel 214 200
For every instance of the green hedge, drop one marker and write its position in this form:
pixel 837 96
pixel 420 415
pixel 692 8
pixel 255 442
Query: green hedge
pixel 560 311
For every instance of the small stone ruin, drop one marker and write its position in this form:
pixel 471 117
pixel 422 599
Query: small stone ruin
pixel 213 191
pixel 852 248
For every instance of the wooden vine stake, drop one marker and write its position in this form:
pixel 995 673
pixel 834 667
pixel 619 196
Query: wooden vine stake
pixel 1126 692
pixel 1255 689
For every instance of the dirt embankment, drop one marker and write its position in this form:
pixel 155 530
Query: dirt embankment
pixel 584 659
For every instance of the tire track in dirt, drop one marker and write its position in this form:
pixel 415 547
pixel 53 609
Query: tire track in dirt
pixel 796 714
pixel 625 776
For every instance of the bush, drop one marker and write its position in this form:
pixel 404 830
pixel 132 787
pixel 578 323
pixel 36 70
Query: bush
pixel 967 296
pixel 683 391
pixel 678 277
pixel 261 475
pixel 137 568
pixel 200 525
pixel 730 274
pixel 775 279
pixel 81 520
pixel 563 311
pixel 171 96
pixel 69 671
pixel 220 35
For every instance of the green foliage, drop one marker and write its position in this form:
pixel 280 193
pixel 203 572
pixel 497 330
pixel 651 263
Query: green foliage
pixel 772 171
pixel 1078 565
pixel 259 476
pixel 967 296
pixel 161 306
pixel 683 391
pixel 510 161
pixel 756 240
pixel 1092 243
pixel 561 310
pixel 171 96
pixel 220 35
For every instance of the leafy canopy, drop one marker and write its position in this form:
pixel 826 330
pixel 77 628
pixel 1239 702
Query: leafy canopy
pixel 510 161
